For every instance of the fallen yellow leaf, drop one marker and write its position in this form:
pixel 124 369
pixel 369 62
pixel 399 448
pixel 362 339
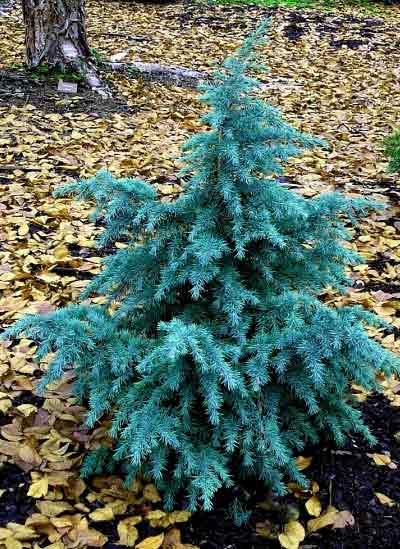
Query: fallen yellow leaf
pixel 27 409
pixel 48 277
pixel 303 462
pixel 106 513
pixel 380 459
pixel 313 506
pixel 83 536
pixel 12 543
pixel 127 532
pixel 150 493
pixel 293 535
pixel 61 251
pixel 179 516
pixel 21 532
pixel 39 488
pixel 119 507
pixel 156 514
pixel 326 519
pixel 4 533
pixel 153 542
pixel 385 500
pixel 314 487
pixel 23 229
pixel 62 522
pixel 53 508
pixel 5 405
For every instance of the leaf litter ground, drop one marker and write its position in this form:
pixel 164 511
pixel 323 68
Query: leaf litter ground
pixel 335 74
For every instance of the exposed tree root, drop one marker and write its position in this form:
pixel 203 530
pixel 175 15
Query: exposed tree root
pixel 91 77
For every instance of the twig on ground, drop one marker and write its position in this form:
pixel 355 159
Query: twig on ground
pixel 122 35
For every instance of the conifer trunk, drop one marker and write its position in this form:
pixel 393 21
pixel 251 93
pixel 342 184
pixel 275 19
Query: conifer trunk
pixel 55 35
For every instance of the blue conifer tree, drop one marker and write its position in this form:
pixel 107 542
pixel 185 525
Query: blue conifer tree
pixel 213 353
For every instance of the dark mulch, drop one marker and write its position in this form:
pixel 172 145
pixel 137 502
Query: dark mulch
pixel 328 25
pixel 348 479
pixel 27 397
pixel 355 478
pixel 19 87
pixel 15 505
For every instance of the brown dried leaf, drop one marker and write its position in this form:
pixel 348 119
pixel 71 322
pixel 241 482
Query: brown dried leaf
pixel 343 519
pixel 28 454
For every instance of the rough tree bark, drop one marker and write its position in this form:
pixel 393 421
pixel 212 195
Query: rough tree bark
pixel 55 35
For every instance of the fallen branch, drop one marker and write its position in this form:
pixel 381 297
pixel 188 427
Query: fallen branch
pixel 12 167
pixel 180 75
pixel 154 71
pixel 122 35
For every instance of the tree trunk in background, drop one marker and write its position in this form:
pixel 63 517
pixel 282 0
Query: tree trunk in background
pixel 55 35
